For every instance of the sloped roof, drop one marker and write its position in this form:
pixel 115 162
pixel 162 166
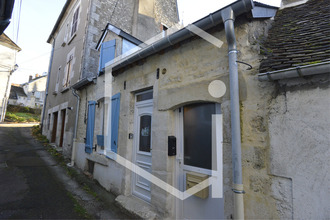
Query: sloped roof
pixel 59 19
pixel 299 36
pixel 6 41
pixel 16 91
pixel 35 79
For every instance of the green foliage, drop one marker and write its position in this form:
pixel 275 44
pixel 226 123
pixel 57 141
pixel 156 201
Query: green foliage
pixel 36 132
pixel 91 192
pixel 78 208
pixel 17 108
pixel 22 117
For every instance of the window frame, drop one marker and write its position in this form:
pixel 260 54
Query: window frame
pixel 75 21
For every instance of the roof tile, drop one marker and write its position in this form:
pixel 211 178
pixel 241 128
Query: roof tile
pixel 299 35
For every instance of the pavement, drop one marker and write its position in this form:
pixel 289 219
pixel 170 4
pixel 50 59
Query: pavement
pixel 35 186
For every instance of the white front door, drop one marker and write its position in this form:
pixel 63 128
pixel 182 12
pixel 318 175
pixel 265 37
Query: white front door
pixel 142 144
pixel 194 158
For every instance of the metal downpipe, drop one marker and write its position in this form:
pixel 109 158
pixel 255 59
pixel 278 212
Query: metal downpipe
pixel 74 147
pixel 229 18
pixel 47 85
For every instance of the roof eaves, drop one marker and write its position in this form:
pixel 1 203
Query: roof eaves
pixel 8 42
pixel 295 72
pixel 212 20
pixel 82 83
pixel 118 32
pixel 59 19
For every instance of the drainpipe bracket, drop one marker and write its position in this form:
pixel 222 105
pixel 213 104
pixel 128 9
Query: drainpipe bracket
pixel 238 191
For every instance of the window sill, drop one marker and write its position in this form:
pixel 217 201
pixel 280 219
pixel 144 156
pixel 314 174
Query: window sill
pixel 54 93
pixel 65 90
pixel 98 158
pixel 73 36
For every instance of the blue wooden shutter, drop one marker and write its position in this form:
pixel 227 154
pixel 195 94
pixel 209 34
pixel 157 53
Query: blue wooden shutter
pixel 107 54
pixel 115 107
pixel 90 127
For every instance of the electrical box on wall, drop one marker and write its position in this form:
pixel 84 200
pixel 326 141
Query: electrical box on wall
pixel 171 146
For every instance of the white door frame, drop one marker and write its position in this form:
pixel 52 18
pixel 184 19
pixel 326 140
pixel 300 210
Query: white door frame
pixel 138 156
pixel 180 167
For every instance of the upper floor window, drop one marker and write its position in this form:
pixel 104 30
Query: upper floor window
pixel 74 25
pixel 58 79
pixel 67 75
pixel 129 47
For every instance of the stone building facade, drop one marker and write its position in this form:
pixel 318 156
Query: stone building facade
pixel 284 122
pixel 74 57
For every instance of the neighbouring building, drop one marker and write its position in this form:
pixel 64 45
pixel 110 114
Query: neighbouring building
pixel 167 106
pixel 8 51
pixel 35 90
pixel 75 57
pixel 30 94
pixel 17 96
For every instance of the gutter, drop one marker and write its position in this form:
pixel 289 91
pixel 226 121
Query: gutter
pixel 47 85
pixel 57 24
pixel 74 147
pixel 227 16
pixel 212 20
pixel 299 71
pixel 84 82
pixel 79 85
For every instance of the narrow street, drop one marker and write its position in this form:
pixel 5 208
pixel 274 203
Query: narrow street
pixel 30 187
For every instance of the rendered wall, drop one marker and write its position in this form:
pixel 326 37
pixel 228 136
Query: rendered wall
pixel 299 148
pixel 7 62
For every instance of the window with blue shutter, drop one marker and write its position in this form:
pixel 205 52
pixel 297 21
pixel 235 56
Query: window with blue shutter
pixel 107 54
pixel 90 127
pixel 115 107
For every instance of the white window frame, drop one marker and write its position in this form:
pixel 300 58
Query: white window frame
pixel 75 21
pixel 69 70
pixel 58 79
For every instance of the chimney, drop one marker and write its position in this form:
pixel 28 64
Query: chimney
pixel 30 78
pixel 37 75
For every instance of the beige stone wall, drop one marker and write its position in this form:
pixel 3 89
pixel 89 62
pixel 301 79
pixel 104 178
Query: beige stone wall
pixel 189 70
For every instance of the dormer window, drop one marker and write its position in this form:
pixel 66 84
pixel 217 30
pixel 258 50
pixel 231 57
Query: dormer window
pixel 129 47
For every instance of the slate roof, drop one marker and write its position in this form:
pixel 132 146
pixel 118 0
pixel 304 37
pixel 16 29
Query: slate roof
pixel 299 36
pixel 16 91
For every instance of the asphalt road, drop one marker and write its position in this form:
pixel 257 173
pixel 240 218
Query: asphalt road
pixel 34 186
pixel 28 187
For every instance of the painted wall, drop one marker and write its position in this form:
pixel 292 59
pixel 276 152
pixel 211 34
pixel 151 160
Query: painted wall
pixel 299 148
pixel 93 17
pixel 7 62
pixel 59 96
pixel 35 90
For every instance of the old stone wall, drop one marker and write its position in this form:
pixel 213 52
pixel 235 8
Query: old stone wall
pixel 188 70
pixel 284 132
pixel 119 14
pixel 142 19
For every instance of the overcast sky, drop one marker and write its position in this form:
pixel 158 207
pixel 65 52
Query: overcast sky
pixel 38 18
